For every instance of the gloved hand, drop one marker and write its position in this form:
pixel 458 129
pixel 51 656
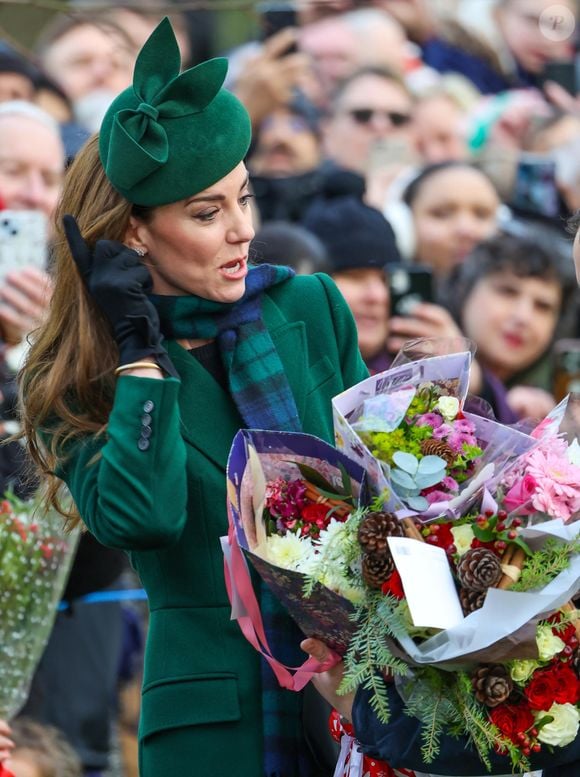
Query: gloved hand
pixel 119 282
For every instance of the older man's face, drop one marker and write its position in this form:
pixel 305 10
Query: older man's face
pixel 31 165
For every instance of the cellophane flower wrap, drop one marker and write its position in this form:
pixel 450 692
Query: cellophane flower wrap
pixel 289 495
pixel 491 571
pixel 35 556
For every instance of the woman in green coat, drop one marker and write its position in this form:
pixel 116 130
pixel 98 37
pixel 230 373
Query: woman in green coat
pixel 161 342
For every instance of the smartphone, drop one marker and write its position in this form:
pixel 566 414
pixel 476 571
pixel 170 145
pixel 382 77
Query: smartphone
pixel 566 368
pixel 565 73
pixel 275 17
pixel 535 190
pixel 409 285
pixel 23 240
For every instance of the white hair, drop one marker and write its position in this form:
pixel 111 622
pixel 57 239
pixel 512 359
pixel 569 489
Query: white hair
pixel 23 109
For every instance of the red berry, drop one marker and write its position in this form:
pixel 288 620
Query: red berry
pixel 526 750
pixel 501 545
pixel 521 736
pixel 502 515
pixel 534 732
pixel 434 528
pixel 517 522
pixel 568 650
pixel 432 539
pixel 451 550
pixel 512 535
pixel 573 641
pixel 536 747
pixel 489 513
pixel 500 526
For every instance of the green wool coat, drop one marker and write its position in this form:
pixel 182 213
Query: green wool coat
pixel 165 503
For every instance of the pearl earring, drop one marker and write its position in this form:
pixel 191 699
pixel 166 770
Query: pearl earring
pixel 140 251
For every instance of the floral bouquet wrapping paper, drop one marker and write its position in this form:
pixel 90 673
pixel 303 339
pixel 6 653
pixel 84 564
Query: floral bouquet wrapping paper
pixel 35 557
pixel 290 494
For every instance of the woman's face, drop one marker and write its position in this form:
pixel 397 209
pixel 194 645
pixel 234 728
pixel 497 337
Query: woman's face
pixel 453 210
pixel 367 295
pixel 200 245
pixel 512 320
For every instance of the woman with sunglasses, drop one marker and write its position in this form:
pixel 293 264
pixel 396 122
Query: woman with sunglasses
pixel 160 343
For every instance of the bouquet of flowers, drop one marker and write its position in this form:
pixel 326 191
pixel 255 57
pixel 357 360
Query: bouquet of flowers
pixel 289 495
pixel 35 556
pixel 456 594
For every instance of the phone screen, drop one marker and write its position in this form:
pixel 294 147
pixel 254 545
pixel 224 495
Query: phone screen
pixel 535 189
pixel 23 240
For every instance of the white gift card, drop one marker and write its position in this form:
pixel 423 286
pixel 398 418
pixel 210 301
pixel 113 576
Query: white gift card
pixel 427 582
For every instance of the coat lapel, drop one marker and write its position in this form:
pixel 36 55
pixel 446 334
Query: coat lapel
pixel 209 417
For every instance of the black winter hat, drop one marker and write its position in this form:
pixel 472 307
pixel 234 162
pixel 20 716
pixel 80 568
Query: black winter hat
pixel 354 234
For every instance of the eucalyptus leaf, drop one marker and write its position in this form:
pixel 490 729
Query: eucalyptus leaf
pixel 403 479
pixel 417 503
pixel 406 461
pixel 428 480
pixel 431 464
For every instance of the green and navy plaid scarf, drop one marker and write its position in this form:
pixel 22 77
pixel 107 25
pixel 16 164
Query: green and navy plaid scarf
pixel 260 390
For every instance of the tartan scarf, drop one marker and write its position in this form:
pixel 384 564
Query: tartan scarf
pixel 261 393
pixel 256 376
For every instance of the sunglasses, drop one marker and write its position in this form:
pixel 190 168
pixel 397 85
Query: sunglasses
pixel 365 115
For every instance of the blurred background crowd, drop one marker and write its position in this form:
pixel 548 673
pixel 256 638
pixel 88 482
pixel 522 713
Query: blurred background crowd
pixel 425 153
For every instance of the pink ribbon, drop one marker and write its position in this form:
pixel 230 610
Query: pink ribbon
pixel 246 610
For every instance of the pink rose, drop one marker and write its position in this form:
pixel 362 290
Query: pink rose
pixel 520 494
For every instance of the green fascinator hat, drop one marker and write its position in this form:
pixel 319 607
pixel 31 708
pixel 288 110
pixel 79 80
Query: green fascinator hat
pixel 172 135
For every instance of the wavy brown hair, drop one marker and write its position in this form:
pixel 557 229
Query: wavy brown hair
pixel 66 384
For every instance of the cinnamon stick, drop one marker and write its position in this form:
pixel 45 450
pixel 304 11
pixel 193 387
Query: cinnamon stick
pixel 411 530
pixel 511 564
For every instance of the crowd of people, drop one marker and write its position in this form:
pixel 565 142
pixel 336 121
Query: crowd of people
pixel 380 140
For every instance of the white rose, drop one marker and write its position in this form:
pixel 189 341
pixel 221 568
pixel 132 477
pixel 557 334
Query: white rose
pixel 549 645
pixel 563 729
pixel 522 670
pixel 463 536
pixel 448 407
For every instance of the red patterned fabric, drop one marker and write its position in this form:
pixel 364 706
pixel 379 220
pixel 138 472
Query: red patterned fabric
pixel 371 767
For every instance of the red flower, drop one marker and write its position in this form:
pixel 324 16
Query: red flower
pixel 512 719
pixel 549 685
pixel 315 513
pixel 440 535
pixel 565 633
pixel 393 586
pixel 567 685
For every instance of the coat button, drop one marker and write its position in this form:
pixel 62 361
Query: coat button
pixel 145 432
pixel 143 444
pixel 146 419
pixel 149 406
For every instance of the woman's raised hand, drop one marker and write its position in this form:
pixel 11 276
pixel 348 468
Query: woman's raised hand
pixel 119 284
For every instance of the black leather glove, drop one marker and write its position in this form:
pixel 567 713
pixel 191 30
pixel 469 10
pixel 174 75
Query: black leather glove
pixel 119 283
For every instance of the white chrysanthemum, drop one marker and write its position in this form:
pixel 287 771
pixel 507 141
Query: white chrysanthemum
pixel 288 551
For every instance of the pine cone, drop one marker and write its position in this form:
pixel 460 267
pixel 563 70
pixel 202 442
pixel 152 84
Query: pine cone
pixel 374 530
pixel 377 569
pixel 471 600
pixel 492 684
pixel 479 569
pixel 440 448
